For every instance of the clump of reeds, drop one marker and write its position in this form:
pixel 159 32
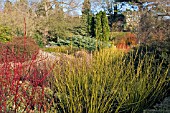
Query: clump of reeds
pixel 113 83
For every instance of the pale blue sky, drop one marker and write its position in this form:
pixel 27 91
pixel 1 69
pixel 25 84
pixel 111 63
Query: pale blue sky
pixel 95 7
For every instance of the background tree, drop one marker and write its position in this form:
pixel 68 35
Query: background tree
pixel 92 27
pixel 57 23
pixel 102 29
pixel 86 8
pixel 86 17
pixel 98 26
pixel 8 7
pixel 105 27
pixel 15 18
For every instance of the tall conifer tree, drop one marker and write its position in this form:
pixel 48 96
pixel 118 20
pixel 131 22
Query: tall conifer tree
pixel 86 17
pixel 98 26
pixel 102 26
pixel 105 27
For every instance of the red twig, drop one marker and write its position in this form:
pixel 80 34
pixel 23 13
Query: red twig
pixel 22 81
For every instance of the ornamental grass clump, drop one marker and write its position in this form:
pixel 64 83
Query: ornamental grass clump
pixel 111 84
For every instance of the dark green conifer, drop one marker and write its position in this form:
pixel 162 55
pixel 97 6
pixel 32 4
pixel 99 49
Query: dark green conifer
pixel 105 27
pixel 102 26
pixel 86 18
pixel 98 26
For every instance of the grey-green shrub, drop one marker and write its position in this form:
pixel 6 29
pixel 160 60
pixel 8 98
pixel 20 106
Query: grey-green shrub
pixel 88 43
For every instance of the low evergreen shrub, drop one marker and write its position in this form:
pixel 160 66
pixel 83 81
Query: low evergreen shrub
pixel 87 43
